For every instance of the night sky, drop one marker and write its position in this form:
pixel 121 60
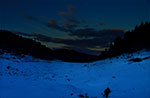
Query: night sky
pixel 83 25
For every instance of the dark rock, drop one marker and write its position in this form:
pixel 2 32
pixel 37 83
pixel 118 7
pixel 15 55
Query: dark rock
pixel 80 96
pixel 136 60
pixel 8 67
pixel 71 94
pixel 17 69
pixel 53 76
pixel 146 58
pixel 68 79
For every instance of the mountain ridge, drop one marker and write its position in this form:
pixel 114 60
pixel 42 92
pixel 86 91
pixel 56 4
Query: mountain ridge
pixel 17 44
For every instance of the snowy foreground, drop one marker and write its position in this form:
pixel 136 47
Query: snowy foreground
pixel 33 78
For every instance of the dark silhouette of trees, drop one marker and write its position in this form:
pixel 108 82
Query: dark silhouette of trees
pixel 16 44
pixel 134 40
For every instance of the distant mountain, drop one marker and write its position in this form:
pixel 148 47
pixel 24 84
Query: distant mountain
pixel 17 45
pixel 73 56
pixel 134 40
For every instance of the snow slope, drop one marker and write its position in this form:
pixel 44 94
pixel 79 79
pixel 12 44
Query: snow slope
pixel 27 77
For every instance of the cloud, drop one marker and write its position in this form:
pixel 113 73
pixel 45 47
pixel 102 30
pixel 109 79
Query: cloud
pixel 83 43
pixel 36 36
pixel 70 22
pixel 27 16
pixel 63 14
pixel 52 21
pixel 83 21
pixel 68 26
pixel 71 11
pixel 59 22
pixel 95 42
pixel 56 26
pixel 101 24
pixel 91 32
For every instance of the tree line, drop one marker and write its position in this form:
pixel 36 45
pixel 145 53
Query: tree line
pixel 133 40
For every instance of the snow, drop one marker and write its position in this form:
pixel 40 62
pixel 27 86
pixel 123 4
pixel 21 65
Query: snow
pixel 28 77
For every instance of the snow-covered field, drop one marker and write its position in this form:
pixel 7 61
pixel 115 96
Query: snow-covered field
pixel 33 78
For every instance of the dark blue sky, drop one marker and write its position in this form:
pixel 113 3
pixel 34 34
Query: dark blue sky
pixel 77 21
